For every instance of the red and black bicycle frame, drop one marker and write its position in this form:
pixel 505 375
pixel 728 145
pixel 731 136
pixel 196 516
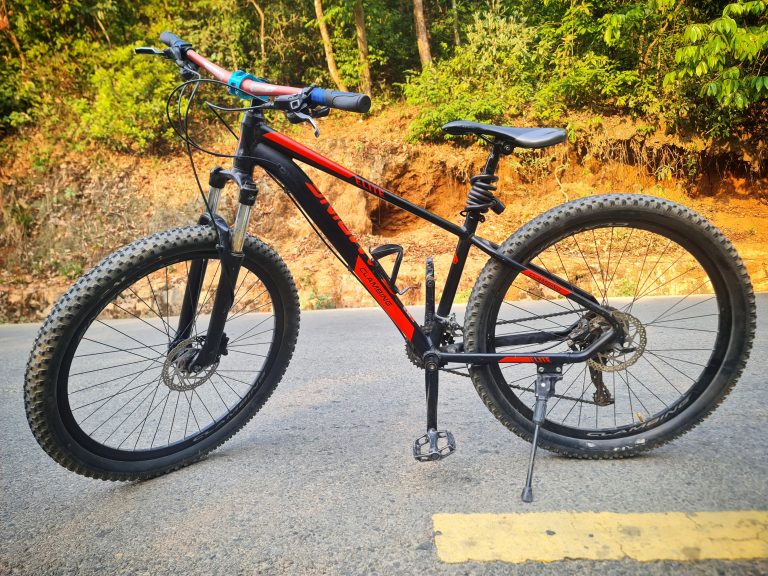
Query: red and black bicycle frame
pixel 274 152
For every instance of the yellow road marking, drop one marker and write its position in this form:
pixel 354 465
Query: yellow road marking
pixel 554 536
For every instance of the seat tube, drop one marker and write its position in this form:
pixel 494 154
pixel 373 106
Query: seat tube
pixel 471 221
pixel 457 265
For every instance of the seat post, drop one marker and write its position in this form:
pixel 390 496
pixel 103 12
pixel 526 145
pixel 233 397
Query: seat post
pixel 492 163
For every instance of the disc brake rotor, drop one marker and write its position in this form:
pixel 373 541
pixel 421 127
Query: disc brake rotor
pixel 174 373
pixel 622 356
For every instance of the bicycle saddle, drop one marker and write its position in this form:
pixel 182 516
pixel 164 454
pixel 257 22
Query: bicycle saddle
pixel 518 137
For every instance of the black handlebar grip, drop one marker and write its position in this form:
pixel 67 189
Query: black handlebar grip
pixel 349 101
pixel 171 40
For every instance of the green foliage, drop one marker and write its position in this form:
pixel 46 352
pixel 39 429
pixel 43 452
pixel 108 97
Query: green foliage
pixel 128 111
pixel 725 61
pixel 66 66
pixel 321 301
pixel 490 75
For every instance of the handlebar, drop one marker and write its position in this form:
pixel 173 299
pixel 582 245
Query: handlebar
pixel 171 40
pixel 349 101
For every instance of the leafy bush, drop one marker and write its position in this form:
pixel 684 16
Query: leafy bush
pixel 724 62
pixel 488 77
pixel 128 111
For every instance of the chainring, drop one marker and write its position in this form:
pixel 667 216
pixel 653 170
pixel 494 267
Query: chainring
pixel 412 356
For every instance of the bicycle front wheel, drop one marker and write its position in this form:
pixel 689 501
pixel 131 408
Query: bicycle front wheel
pixel 106 393
pixel 673 281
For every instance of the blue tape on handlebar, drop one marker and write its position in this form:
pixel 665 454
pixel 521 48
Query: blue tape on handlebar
pixel 317 96
pixel 236 80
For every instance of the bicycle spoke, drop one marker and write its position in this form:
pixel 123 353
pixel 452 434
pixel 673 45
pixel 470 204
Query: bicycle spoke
pixel 131 399
pixel 173 421
pixel 657 326
pixel 621 256
pixel 107 382
pixel 121 387
pixel 642 286
pixel 589 269
pixel 194 391
pixel 662 375
pixel 125 419
pixel 681 319
pixel 116 349
pixel 694 291
pixel 162 320
pixel 137 317
pixel 673 367
pixel 110 396
pixel 116 366
pixel 233 340
pixel 160 420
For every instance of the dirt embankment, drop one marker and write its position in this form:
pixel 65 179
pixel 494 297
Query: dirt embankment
pixel 62 212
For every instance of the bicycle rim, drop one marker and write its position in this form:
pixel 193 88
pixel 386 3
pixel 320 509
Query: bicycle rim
pixel 672 300
pixel 121 394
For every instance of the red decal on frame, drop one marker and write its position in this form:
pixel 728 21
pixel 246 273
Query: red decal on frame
pixel 548 283
pixel 384 298
pixel 526 359
pixel 306 153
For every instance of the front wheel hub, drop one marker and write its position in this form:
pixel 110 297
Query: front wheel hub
pixel 177 373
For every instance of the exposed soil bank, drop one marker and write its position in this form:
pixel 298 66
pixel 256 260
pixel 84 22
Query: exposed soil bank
pixel 61 217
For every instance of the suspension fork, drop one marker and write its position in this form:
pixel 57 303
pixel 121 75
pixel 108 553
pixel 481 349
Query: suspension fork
pixel 197 268
pixel 230 248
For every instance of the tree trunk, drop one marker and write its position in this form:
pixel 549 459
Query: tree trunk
pixel 261 35
pixel 5 26
pixel 102 28
pixel 422 37
pixel 456 36
pixel 328 48
pixel 362 45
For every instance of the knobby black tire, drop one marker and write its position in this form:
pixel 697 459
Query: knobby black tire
pixel 57 341
pixel 734 307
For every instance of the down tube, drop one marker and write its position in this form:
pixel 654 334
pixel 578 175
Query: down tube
pixel 318 209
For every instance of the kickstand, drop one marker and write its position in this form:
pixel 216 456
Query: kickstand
pixel 546 379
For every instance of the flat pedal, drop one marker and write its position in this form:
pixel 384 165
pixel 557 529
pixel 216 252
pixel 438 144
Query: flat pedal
pixel 434 445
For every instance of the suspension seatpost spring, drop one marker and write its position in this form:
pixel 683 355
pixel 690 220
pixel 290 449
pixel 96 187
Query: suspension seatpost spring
pixel 481 196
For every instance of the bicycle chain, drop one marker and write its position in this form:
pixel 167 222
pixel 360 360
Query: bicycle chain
pixel 552 315
pixel 417 361
pixel 564 397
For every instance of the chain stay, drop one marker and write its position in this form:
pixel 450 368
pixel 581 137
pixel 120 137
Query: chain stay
pixel 529 389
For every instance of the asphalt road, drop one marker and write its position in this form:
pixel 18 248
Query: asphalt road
pixel 323 481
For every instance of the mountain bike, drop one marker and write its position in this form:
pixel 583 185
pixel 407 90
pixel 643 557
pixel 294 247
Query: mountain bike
pixel 603 328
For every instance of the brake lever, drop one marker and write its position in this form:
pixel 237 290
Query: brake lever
pixel 320 112
pixel 188 69
pixel 296 117
pixel 152 52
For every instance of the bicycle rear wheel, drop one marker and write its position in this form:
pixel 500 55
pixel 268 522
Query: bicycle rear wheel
pixel 672 279
pixel 105 392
